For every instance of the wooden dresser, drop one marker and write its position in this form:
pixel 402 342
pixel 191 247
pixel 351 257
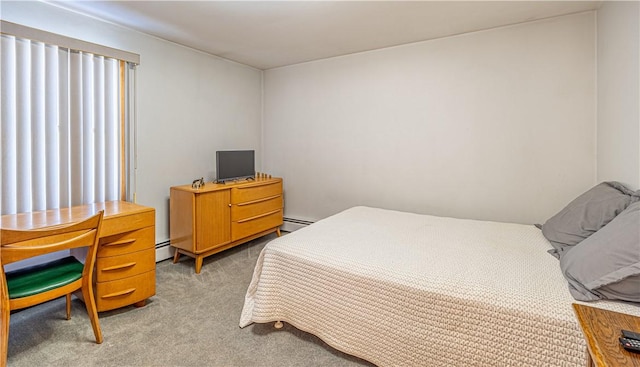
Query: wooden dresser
pixel 125 271
pixel 216 217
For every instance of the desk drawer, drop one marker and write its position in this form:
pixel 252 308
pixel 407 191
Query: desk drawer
pixel 255 208
pixel 250 193
pixel 124 292
pixel 251 226
pixel 124 266
pixel 127 242
pixel 124 223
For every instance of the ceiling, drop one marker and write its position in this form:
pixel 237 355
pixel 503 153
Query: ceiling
pixel 270 34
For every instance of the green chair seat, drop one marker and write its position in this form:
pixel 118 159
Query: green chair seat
pixel 43 277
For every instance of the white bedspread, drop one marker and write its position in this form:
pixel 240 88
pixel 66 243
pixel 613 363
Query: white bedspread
pixel 402 289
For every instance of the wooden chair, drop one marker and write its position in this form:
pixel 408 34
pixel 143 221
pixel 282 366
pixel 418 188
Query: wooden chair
pixel 44 282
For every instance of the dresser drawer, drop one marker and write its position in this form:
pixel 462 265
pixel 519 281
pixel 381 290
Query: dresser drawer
pixel 254 208
pixel 124 292
pixel 124 266
pixel 127 242
pixel 250 193
pixel 251 226
pixel 124 223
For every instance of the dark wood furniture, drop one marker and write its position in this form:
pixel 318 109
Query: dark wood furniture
pixel 601 330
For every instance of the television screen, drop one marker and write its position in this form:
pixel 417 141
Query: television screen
pixel 235 164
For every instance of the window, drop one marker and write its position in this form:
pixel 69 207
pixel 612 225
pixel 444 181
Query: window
pixel 65 115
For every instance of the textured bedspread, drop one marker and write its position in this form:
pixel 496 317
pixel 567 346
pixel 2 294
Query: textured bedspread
pixel 399 289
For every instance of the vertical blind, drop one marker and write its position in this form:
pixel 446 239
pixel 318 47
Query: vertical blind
pixel 61 131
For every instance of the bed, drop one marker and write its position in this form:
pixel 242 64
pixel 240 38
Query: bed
pixel 403 289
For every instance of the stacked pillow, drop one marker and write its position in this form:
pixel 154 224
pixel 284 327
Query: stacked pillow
pixel 597 239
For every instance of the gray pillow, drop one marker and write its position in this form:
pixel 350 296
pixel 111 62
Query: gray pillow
pixel 586 214
pixel 607 264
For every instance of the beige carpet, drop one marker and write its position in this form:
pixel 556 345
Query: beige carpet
pixel 192 321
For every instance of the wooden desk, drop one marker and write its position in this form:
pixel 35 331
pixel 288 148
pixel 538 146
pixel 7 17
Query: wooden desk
pixel 125 262
pixel 601 330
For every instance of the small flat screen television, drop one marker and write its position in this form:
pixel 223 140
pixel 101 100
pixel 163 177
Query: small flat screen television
pixel 235 165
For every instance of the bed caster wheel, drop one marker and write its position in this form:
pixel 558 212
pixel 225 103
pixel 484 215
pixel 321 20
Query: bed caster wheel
pixel 278 325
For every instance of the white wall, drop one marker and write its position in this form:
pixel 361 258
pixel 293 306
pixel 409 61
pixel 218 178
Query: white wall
pixel 190 104
pixel 496 125
pixel 619 92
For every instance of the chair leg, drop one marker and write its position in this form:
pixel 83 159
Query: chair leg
pixel 4 336
pixel 5 314
pixel 69 306
pixel 90 302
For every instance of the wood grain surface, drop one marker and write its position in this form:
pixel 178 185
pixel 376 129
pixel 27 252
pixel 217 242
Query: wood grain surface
pixel 601 329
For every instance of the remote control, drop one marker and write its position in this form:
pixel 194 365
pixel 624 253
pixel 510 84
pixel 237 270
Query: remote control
pixel 632 345
pixel 630 334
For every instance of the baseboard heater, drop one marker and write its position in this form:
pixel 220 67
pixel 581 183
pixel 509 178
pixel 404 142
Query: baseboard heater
pixel 163 250
pixel 163 244
pixel 293 224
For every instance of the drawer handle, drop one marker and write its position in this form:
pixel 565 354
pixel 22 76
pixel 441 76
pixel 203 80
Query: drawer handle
pixel 118 294
pixel 118 267
pixel 120 243
pixel 255 185
pixel 258 201
pixel 258 216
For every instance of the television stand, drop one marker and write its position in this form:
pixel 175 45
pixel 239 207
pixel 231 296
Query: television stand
pixel 217 217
